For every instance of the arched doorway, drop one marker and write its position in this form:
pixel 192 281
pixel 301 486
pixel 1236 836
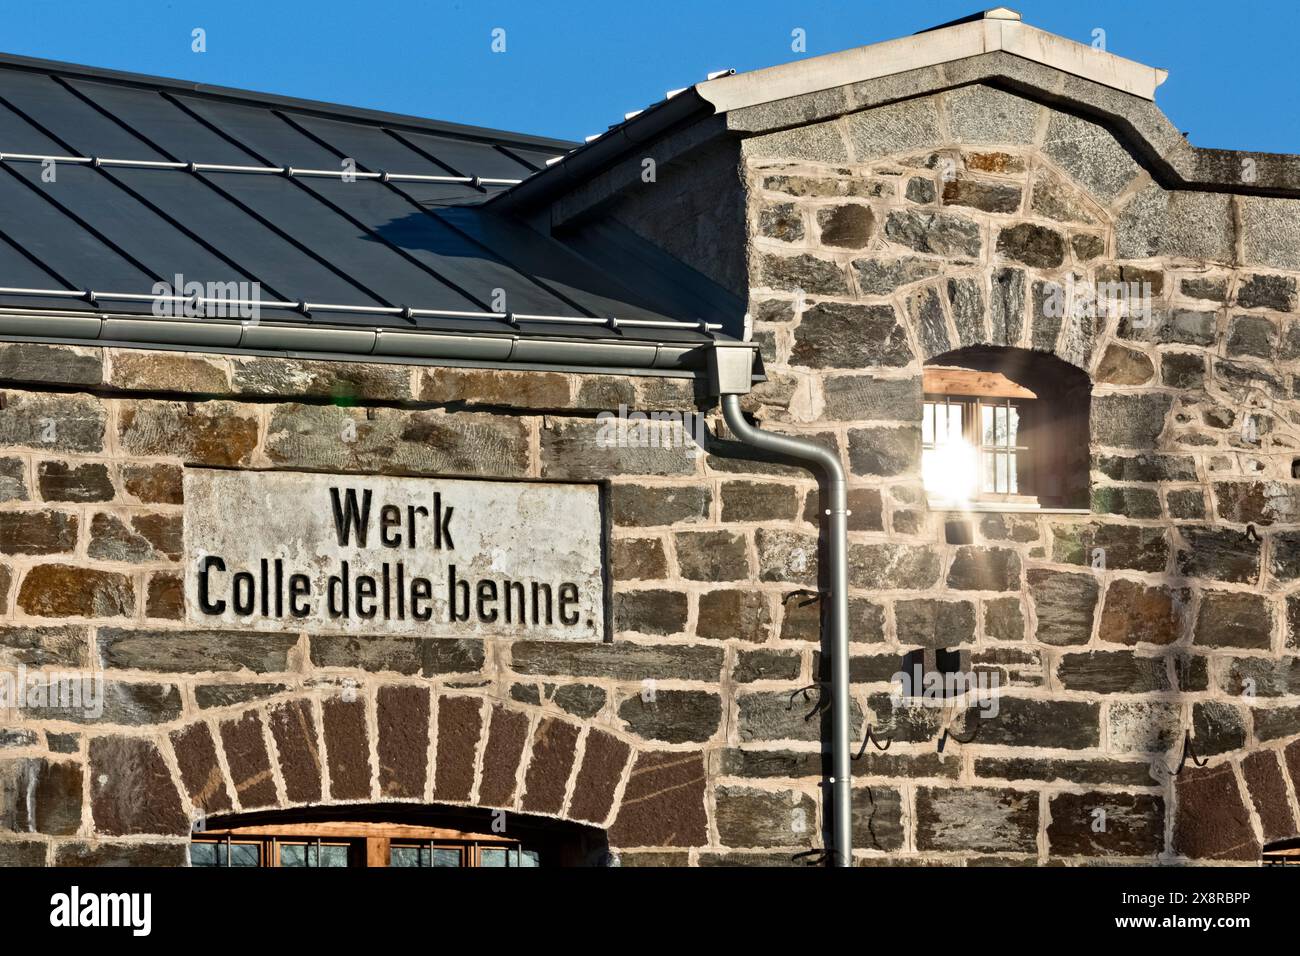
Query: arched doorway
pixel 388 835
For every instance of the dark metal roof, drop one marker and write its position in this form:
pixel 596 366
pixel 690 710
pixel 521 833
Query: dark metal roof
pixel 153 179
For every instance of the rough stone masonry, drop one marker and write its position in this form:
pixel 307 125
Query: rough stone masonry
pixel 872 240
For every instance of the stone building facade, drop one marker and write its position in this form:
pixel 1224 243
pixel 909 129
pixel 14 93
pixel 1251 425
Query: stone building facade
pixel 878 224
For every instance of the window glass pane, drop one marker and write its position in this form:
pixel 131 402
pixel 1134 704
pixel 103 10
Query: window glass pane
pixel 446 856
pixel 986 425
pixel 1001 473
pixel 954 423
pixel 1014 429
pixel 986 484
pixel 927 423
pixel 1012 478
pixel 530 858
pixel 493 856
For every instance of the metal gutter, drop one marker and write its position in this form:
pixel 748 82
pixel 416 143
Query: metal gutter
pixel 729 377
pixel 497 349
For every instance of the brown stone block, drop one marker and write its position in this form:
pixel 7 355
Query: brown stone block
pixel 507 734
pixel 246 756
pixel 23 853
pixel 37 532
pixel 131 789
pixel 647 505
pixel 1136 613
pixel 970 818
pixel 1291 760
pixel 164 532
pixel 50 364
pixel 1211 822
pixel 759 501
pixel 154 484
pixel 121 854
pixel 651 611
pixel 347 746
pixel 40 796
pixel 167 372
pixel 663 804
pixel 388 441
pixel 64 481
pixel 165 597
pixel 52 423
pixel 205 433
pixel 598 777
pixel 460 721
pixel 193 651
pixel 555 743
pixel 196 755
pixel 403 717
pixel 344 382
pixel 1132 825
pixel 712 555
pixel 1267 789
pixel 588 449
pixel 42 646
pixel 734 614
pixel 112 540
pixel 748 817
pixel 294 729
pixel 639 559
pixel 486 387
pixel 62 590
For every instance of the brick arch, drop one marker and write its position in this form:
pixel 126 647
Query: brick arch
pixel 398 743
pixel 1239 802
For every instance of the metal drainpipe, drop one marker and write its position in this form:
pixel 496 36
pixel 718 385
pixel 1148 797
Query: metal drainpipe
pixel 730 372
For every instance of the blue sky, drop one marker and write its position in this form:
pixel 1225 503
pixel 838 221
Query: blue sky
pixel 572 68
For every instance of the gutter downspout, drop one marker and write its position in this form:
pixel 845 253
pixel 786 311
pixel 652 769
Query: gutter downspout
pixel 730 366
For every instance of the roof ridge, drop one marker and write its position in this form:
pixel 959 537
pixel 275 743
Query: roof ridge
pixel 337 110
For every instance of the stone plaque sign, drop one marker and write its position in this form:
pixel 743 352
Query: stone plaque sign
pixel 376 555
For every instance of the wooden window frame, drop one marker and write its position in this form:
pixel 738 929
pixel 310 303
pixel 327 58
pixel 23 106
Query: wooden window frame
pixel 974 391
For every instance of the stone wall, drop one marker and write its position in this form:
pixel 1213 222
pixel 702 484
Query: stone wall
pixel 885 238
pixel 876 241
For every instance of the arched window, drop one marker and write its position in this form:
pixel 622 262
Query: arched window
pixel 1004 429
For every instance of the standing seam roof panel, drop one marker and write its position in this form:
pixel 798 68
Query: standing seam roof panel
pixel 445 254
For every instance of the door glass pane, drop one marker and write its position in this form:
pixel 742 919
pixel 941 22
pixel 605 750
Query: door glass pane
pixel 205 854
pixel 243 854
pixel 215 854
pixel 420 856
pixel 408 856
pixel 300 854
